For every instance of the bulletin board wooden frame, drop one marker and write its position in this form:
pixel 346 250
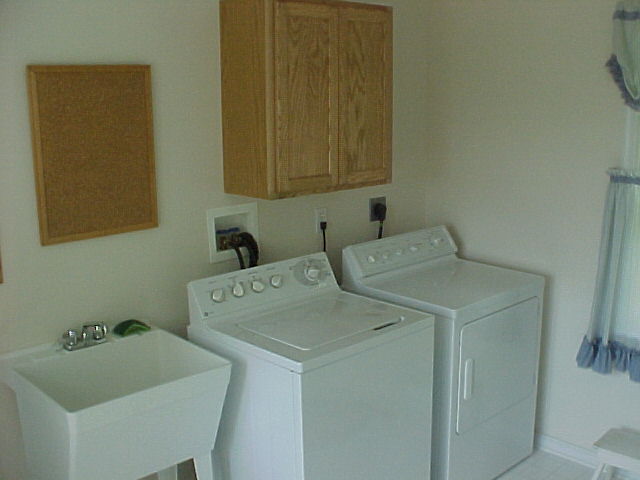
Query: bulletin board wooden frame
pixel 93 150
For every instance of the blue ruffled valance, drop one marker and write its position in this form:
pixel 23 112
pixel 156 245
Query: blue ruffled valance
pixel 624 64
pixel 604 358
pixel 616 72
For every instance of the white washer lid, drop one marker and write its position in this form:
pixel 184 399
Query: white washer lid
pixel 449 285
pixel 331 327
pixel 307 329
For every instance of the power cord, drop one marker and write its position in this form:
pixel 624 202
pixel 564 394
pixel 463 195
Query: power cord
pixel 323 228
pixel 380 214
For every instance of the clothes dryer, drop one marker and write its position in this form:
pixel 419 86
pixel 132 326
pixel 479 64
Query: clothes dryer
pixel 325 384
pixel 486 350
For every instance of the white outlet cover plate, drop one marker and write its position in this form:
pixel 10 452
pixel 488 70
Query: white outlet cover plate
pixel 321 216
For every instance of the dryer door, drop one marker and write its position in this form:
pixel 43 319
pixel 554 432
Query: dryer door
pixel 498 363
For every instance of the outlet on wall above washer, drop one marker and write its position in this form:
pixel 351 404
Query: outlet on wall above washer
pixel 321 216
pixel 372 203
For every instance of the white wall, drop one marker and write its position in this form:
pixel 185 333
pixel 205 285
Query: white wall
pixel 523 122
pixel 143 274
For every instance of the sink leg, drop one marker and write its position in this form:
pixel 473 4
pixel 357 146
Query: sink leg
pixel 204 467
pixel 170 473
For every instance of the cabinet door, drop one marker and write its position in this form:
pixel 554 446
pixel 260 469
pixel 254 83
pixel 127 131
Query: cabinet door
pixel 245 111
pixel 365 38
pixel 306 74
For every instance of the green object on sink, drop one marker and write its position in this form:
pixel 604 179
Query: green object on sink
pixel 129 327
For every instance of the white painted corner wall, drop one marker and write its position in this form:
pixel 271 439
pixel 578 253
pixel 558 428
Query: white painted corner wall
pixel 523 122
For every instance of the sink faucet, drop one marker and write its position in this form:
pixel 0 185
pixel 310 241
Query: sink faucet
pixel 91 334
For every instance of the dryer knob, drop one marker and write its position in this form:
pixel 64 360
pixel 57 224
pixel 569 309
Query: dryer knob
pixel 276 280
pixel 217 295
pixel 413 248
pixel 257 286
pixel 371 259
pixel 238 289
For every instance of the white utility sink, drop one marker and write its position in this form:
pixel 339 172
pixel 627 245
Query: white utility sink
pixel 120 410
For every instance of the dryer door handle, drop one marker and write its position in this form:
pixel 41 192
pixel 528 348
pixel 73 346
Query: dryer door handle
pixel 467 388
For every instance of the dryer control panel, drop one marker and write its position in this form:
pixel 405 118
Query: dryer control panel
pixel 238 290
pixel 398 251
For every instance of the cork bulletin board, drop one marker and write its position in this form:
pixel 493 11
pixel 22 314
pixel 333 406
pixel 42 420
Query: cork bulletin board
pixel 92 133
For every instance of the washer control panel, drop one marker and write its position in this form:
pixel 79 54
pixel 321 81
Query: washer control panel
pixel 399 250
pixel 229 292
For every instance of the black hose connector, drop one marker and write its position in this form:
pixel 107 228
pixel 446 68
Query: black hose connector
pixel 245 239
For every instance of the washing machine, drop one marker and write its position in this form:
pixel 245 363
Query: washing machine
pixel 486 350
pixel 325 384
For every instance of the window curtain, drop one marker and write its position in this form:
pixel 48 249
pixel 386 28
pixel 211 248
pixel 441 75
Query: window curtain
pixel 613 338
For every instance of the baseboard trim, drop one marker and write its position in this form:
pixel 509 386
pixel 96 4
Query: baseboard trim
pixel 576 454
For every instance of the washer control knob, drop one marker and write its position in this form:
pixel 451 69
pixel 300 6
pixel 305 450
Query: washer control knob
pixel 312 273
pixel 257 286
pixel 217 295
pixel 237 289
pixel 436 241
pixel 385 256
pixel 399 252
pixel 276 280
pixel 371 259
pixel 413 248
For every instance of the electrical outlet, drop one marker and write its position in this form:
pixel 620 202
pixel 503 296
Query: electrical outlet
pixel 321 216
pixel 372 203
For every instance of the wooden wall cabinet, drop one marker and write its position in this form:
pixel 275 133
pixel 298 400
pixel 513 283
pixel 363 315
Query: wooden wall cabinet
pixel 306 96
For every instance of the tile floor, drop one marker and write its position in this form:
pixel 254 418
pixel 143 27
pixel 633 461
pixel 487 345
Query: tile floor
pixel 546 466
